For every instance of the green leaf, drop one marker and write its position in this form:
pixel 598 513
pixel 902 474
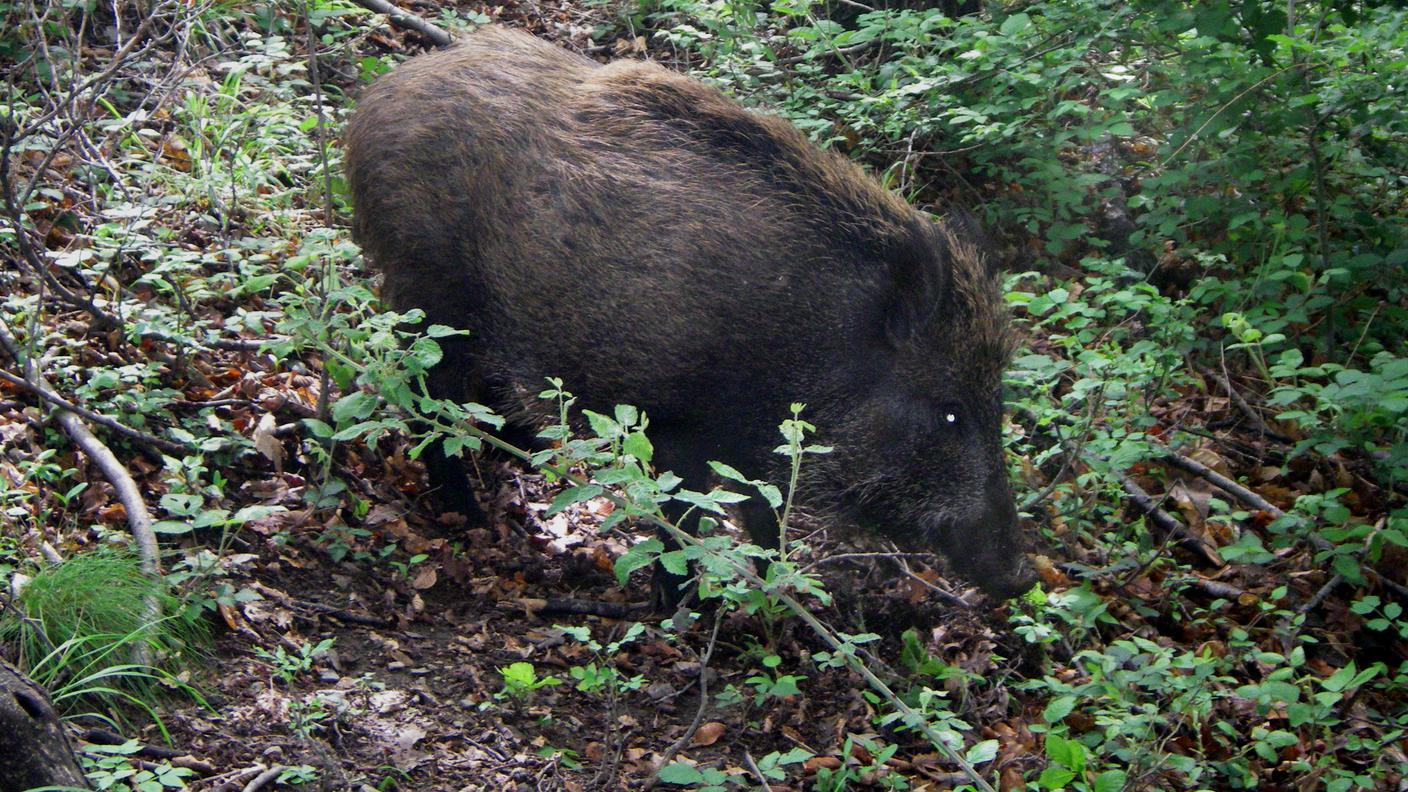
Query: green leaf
pixel 602 426
pixel 183 505
pixel 1110 781
pixel 1058 709
pixel 682 774
pixel 519 674
pixel 353 407
pixel 571 495
pixel 984 751
pixel 641 554
pixel 794 756
pixel 729 472
pixel 1015 24
pixel 675 562
pixel 1067 753
pixel 1055 778
pixel 1341 679
pixel 638 446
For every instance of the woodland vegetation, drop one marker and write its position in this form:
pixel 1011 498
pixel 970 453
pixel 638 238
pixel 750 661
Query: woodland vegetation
pixel 217 556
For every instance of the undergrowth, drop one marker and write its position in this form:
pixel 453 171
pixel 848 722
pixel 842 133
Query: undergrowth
pixel 1201 210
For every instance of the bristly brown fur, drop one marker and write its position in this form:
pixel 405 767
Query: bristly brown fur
pixel 640 235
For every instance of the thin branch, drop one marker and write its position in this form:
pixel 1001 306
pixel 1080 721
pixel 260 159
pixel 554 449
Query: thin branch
pixel 1321 595
pixel 1220 481
pixel 407 20
pixel 264 779
pixel 1242 404
pixel 1310 536
pixel 139 520
pixel 670 753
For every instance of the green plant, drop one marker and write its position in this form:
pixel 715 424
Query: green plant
pixel 769 684
pixel 567 757
pixel 116 768
pixel 306 715
pixel 298 775
pixel 521 681
pixel 288 666
pixel 1067 768
pixel 82 620
pixel 601 675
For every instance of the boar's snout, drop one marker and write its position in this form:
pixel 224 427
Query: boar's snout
pixel 985 546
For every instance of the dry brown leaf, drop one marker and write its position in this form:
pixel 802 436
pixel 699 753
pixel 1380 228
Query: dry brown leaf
pixel 709 733
pixel 821 762
pixel 425 579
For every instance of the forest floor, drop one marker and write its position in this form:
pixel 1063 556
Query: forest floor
pixel 375 640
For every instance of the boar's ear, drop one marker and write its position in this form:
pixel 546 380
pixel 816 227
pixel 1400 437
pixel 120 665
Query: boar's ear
pixel 965 230
pixel 918 283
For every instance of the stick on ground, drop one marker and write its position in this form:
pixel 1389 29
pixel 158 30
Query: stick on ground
pixel 407 20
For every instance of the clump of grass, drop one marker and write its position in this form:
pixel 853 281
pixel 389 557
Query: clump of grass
pixel 85 630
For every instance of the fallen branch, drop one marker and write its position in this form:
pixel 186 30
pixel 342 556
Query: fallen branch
pixel 1321 595
pixel 139 520
pixel 1220 481
pixel 38 388
pixel 1167 522
pixel 1254 500
pixel 1219 589
pixel 264 779
pixel 407 20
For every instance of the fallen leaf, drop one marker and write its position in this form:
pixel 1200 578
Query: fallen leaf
pixel 267 442
pixel 425 579
pixel 709 733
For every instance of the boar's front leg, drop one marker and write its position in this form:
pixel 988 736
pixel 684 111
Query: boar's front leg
pixel 450 487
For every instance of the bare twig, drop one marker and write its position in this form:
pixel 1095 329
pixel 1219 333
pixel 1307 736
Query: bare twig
pixel 1219 589
pixel 669 754
pixel 264 779
pixel 1321 595
pixel 1314 539
pixel 1242 405
pixel 948 597
pixel 407 20
pixel 139 520
pixel 752 765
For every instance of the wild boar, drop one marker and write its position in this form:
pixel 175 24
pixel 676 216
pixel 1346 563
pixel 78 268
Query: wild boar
pixel 651 242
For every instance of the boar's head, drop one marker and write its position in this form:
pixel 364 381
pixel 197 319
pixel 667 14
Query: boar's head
pixel 919 453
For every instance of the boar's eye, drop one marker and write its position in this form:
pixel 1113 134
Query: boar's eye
pixel 950 415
